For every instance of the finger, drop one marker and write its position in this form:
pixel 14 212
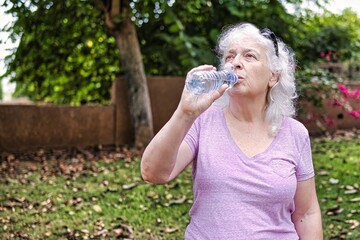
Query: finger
pixel 218 93
pixel 204 67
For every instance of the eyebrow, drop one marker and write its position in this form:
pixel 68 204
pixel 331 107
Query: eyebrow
pixel 233 51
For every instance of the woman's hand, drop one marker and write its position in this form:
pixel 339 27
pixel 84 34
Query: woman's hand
pixel 193 105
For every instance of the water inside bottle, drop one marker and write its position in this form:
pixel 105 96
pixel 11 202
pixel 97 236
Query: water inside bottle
pixel 207 81
pixel 231 79
pixel 199 85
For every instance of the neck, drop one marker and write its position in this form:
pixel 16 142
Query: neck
pixel 247 110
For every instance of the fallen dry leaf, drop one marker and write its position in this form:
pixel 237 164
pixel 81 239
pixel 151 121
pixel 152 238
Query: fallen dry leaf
pixel 97 208
pixel 178 201
pixel 352 191
pixel 355 223
pixel 129 186
pixel 355 199
pixel 170 229
pixel 333 181
pixel 334 210
pixel 102 232
pixel 323 173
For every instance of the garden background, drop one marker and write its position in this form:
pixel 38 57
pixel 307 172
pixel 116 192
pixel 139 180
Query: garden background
pixel 96 74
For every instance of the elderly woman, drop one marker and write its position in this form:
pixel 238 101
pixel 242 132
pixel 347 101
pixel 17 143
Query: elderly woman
pixel 253 176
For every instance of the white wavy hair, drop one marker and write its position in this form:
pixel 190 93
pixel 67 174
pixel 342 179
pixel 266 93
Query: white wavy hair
pixel 281 97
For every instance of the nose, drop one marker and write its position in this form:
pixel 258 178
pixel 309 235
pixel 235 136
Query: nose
pixel 237 62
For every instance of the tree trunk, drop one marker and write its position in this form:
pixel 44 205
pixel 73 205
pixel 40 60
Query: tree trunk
pixel 140 107
pixel 125 35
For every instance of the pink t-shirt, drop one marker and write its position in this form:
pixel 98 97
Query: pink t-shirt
pixel 237 197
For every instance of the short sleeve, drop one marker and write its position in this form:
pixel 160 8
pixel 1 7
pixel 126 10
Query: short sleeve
pixel 192 137
pixel 305 168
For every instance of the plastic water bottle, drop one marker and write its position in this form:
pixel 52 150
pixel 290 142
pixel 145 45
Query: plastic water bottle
pixel 199 82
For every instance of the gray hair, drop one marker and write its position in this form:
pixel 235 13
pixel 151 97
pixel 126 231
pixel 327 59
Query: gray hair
pixel 281 97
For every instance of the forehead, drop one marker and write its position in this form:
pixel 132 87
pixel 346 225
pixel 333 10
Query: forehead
pixel 241 44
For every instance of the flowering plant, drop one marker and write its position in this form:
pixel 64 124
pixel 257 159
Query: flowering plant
pixel 320 89
pixel 329 56
pixel 347 95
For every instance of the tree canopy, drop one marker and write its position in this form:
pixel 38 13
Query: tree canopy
pixel 66 55
pixel 329 36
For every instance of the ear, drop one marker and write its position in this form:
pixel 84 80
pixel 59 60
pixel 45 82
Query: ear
pixel 274 79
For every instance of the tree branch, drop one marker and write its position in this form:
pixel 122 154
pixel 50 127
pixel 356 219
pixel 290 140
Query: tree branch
pixel 115 8
pixel 106 6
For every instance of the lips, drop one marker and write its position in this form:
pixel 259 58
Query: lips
pixel 241 78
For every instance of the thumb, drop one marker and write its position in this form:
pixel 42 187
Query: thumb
pixel 218 93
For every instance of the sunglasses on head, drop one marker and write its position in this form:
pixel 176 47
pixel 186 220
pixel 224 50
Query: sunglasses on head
pixel 271 36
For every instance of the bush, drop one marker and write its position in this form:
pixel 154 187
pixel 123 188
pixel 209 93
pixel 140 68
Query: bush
pixel 317 87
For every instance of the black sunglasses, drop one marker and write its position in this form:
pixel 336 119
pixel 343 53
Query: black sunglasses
pixel 271 36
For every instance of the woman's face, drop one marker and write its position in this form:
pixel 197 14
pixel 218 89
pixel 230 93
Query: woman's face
pixel 251 65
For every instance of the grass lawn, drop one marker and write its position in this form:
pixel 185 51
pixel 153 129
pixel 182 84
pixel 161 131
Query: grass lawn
pixel 337 165
pixel 74 198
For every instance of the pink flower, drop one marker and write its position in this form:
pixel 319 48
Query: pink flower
pixel 328 57
pixel 322 54
pixel 329 121
pixel 337 103
pixel 355 113
pixel 355 94
pixel 310 117
pixel 341 87
pixel 343 90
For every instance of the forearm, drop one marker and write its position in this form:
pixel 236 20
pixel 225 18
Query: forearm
pixel 160 155
pixel 309 225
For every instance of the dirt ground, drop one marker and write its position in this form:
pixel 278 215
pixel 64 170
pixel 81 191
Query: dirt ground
pixel 71 160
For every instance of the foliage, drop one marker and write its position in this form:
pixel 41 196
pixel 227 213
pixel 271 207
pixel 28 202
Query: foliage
pixel 188 31
pixel 345 100
pixel 317 87
pixel 326 40
pixel 65 195
pixel 66 56
pixel 63 55
pixel 333 37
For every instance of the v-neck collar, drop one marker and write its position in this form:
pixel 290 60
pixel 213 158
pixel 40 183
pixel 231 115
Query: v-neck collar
pixel 238 150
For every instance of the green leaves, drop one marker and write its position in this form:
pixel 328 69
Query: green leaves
pixel 329 32
pixel 67 56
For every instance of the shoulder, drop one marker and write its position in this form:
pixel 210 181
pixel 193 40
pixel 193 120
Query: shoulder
pixel 297 132
pixel 295 127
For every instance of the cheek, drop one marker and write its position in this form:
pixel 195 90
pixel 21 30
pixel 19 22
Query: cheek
pixel 259 73
pixel 264 74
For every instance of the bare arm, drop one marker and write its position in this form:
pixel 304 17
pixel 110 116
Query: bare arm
pixel 167 154
pixel 307 215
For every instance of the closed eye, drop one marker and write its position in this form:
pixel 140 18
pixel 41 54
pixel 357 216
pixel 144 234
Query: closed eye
pixel 250 56
pixel 229 58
